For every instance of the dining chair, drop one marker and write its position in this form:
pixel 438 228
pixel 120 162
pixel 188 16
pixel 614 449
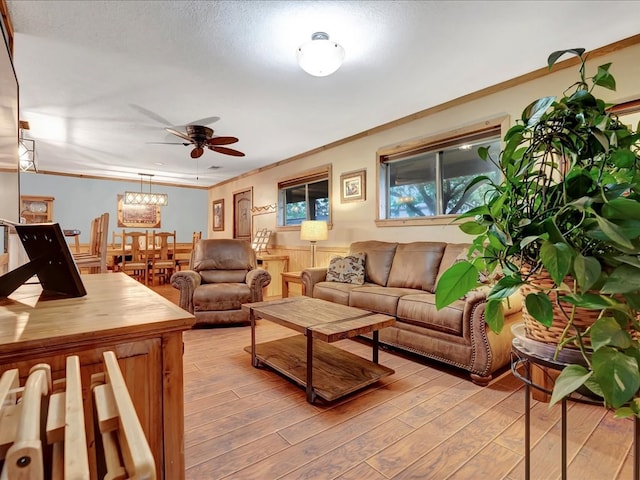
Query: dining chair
pixel 96 258
pixel 186 262
pixel 134 261
pixel 116 240
pixel 162 255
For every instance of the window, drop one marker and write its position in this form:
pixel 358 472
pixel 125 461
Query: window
pixel 305 197
pixel 430 179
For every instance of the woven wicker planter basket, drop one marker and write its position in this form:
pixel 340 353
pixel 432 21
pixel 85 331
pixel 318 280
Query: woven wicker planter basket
pixel 534 330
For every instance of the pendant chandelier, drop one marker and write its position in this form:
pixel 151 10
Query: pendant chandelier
pixel 146 198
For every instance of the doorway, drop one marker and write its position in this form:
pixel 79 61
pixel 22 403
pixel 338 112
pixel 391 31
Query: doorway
pixel 242 202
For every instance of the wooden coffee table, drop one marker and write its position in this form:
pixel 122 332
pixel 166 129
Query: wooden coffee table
pixel 325 371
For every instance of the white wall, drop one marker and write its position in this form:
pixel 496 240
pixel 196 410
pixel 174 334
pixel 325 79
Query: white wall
pixel 355 221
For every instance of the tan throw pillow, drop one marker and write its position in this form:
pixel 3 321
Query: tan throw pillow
pixel 349 269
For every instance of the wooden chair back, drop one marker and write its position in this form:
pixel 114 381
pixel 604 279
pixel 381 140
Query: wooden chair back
pixel 116 240
pixel 43 433
pixel 186 261
pixel 96 258
pixel 134 257
pixel 163 257
pixel 197 236
pixel 127 454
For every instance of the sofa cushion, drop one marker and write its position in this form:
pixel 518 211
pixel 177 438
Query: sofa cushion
pixel 335 292
pixel 215 296
pixel 451 253
pixel 415 265
pixel 379 256
pixel 420 309
pixel 349 269
pixel 378 299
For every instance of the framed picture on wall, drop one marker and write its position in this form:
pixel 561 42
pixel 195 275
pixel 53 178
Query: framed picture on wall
pixel 218 215
pixel 353 186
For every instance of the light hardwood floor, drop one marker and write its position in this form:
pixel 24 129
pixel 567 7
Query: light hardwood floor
pixel 423 422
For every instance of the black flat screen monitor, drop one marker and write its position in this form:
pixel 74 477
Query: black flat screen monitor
pixel 50 259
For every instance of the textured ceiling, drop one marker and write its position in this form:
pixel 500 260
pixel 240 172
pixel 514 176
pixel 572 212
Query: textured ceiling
pixel 99 80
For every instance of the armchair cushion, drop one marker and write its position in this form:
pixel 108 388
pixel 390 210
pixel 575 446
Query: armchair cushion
pixel 223 276
pixel 223 254
pixel 221 296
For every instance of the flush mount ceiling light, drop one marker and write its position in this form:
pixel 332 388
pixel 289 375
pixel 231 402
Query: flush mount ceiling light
pixel 320 57
pixel 143 198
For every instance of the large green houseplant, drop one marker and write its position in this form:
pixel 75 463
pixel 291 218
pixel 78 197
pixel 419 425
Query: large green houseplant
pixel 568 203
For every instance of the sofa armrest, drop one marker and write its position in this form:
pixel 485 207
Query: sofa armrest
pixel 186 281
pixel 311 276
pixel 257 279
pixel 492 350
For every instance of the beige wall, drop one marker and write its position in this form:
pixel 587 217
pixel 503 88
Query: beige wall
pixel 355 221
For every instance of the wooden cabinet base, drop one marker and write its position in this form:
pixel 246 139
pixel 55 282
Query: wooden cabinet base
pixel 118 314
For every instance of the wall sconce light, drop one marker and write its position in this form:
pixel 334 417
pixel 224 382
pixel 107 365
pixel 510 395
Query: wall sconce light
pixel 26 150
pixel 313 230
pixel 320 57
pixel 144 198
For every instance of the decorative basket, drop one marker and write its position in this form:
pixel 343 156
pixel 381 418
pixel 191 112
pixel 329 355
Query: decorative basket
pixel 534 330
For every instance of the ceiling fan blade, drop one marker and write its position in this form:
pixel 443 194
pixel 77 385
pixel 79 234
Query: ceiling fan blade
pixel 197 152
pixel 226 151
pixel 179 134
pixel 148 113
pixel 204 121
pixel 168 143
pixel 221 140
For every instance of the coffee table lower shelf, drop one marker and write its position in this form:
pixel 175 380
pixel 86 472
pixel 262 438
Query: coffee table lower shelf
pixel 336 372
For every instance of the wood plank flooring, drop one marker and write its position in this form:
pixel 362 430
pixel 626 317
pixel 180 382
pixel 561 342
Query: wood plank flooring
pixel 423 422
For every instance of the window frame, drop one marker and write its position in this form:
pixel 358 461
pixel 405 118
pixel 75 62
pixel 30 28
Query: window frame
pixel 320 173
pixel 498 125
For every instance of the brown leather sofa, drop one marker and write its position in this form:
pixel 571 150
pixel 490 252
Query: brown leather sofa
pixel 400 280
pixel 222 278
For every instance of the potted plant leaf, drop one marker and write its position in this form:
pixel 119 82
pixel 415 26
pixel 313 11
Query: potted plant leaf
pixel 563 227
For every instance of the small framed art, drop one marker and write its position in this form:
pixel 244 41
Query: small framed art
pixel 353 186
pixel 218 215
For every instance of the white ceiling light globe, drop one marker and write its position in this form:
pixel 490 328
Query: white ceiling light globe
pixel 320 57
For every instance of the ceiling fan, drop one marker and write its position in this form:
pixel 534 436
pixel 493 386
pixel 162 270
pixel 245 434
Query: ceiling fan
pixel 201 137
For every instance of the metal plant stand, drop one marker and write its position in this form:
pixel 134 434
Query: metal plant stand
pixel 523 357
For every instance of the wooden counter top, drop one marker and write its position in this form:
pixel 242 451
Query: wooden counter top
pixel 115 306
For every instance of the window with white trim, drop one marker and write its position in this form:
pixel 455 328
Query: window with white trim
pixel 304 197
pixel 430 180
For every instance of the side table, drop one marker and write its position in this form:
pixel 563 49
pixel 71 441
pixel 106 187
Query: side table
pixel 522 356
pixel 274 264
pixel 287 278
pixel 76 237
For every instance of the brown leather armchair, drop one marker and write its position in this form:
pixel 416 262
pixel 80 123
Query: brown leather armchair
pixel 223 277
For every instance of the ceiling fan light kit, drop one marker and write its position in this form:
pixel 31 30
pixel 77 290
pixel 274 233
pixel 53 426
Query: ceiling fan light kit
pixel 320 57
pixel 146 198
pixel 201 137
